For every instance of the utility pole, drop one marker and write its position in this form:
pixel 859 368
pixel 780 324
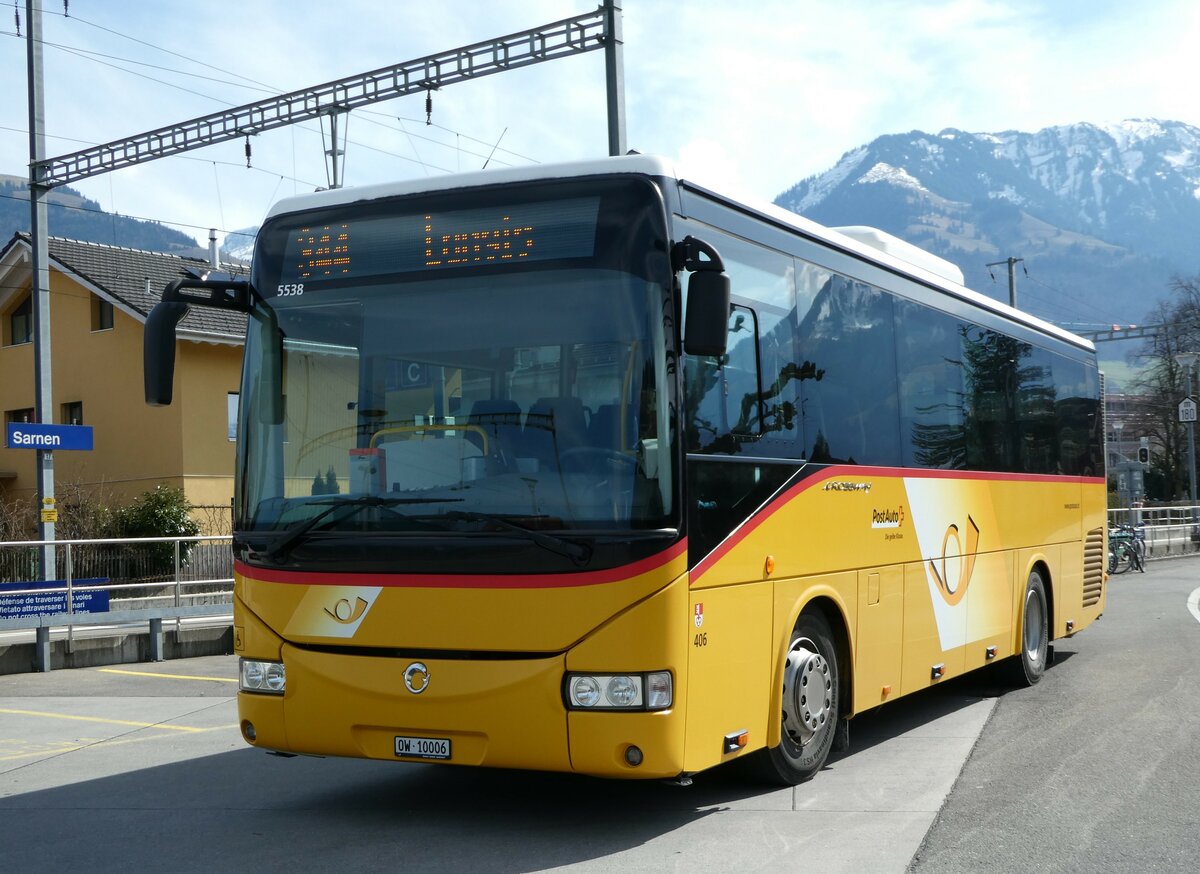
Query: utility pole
pixel 614 76
pixel 1187 360
pixel 38 192
pixel 1012 277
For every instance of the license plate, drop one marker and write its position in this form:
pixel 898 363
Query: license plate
pixel 423 747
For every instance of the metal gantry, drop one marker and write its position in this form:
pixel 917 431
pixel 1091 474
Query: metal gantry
pixel 559 39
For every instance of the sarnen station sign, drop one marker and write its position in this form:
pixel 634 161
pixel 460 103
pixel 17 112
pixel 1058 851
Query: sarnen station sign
pixel 29 435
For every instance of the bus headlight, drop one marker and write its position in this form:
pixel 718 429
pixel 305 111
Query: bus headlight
pixel 585 692
pixel 652 691
pixel 259 676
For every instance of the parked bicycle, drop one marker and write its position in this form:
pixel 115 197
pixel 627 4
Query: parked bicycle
pixel 1126 549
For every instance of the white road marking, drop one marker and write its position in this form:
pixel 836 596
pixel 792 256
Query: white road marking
pixel 1194 604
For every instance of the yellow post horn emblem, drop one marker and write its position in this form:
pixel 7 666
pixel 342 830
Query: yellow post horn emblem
pixel 345 613
pixel 953 595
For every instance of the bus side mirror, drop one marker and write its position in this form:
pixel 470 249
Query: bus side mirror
pixel 158 351
pixel 706 322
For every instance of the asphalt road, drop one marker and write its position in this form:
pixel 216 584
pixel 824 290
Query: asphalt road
pixel 1097 768
pixel 136 767
pixel 140 767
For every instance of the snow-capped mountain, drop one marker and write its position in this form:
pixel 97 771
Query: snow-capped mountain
pixel 1104 215
pixel 239 244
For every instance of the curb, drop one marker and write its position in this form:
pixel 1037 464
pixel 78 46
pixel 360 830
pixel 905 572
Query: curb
pixel 118 648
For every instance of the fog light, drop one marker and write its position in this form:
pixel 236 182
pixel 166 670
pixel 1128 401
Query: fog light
pixel 248 731
pixel 633 756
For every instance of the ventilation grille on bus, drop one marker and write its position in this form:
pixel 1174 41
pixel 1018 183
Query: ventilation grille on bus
pixel 1093 567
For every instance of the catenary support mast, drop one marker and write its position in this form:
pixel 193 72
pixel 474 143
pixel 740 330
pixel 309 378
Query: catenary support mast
pixel 38 191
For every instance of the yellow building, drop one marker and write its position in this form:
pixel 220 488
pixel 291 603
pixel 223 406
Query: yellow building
pixel 100 296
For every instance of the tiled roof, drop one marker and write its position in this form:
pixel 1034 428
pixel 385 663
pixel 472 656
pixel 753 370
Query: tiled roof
pixel 137 278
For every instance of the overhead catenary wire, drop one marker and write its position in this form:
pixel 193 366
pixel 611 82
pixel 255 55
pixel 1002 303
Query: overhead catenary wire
pixel 269 172
pixel 90 54
pixel 79 50
pixel 274 89
pixel 227 103
pixel 139 218
pixel 1076 300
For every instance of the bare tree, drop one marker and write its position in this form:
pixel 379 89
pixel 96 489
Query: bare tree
pixel 1161 381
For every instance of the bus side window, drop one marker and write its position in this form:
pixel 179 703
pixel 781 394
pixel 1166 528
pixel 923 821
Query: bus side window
pixel 723 395
pixel 848 400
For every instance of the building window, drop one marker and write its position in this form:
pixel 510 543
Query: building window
pixel 102 314
pixel 20 323
pixel 19 417
pixel 72 413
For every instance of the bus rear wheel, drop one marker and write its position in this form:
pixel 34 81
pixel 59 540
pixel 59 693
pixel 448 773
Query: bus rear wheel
pixel 810 704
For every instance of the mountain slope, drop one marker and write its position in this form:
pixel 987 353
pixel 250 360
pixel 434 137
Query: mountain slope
pixel 1103 216
pixel 73 216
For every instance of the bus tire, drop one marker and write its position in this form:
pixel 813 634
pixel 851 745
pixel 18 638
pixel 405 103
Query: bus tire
pixel 810 704
pixel 1030 664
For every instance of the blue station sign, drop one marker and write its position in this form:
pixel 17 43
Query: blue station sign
pixel 34 603
pixel 29 435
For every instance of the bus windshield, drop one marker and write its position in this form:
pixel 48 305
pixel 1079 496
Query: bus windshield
pixel 526 400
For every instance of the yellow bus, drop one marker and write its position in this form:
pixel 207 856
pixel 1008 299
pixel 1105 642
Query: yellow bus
pixel 587 468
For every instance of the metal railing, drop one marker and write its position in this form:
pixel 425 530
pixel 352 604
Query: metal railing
pixel 178 569
pixel 1168 530
pixel 130 580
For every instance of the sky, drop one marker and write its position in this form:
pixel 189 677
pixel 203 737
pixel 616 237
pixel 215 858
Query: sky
pixel 751 97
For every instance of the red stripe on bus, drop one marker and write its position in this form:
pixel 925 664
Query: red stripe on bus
pixel 467 581
pixel 738 534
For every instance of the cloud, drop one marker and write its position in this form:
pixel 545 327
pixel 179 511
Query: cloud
pixel 760 95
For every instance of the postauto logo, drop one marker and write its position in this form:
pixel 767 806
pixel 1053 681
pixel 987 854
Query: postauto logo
pixel 887 517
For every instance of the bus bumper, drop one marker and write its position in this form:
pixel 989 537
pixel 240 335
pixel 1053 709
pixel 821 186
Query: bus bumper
pixel 493 712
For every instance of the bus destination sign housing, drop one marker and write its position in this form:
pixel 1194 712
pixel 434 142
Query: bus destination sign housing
pixel 407 243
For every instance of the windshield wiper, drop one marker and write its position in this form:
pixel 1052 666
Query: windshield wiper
pixel 577 552
pixel 296 533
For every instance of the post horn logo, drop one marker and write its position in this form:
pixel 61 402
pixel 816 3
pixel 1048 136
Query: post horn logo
pixel 954 589
pixel 416 678
pixel 346 613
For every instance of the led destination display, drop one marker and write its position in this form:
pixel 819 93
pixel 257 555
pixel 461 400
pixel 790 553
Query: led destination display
pixel 480 237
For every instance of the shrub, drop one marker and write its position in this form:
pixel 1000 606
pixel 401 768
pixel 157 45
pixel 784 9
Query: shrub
pixel 163 512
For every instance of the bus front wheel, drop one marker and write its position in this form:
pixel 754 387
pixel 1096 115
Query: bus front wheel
pixel 1029 666
pixel 810 704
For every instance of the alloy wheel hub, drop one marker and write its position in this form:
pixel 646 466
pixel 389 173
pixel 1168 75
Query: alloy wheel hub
pixel 807 692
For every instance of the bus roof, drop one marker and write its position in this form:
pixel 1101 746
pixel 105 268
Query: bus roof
pixel 858 242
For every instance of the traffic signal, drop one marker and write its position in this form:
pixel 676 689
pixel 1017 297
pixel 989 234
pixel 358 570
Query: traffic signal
pixel 1143 455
